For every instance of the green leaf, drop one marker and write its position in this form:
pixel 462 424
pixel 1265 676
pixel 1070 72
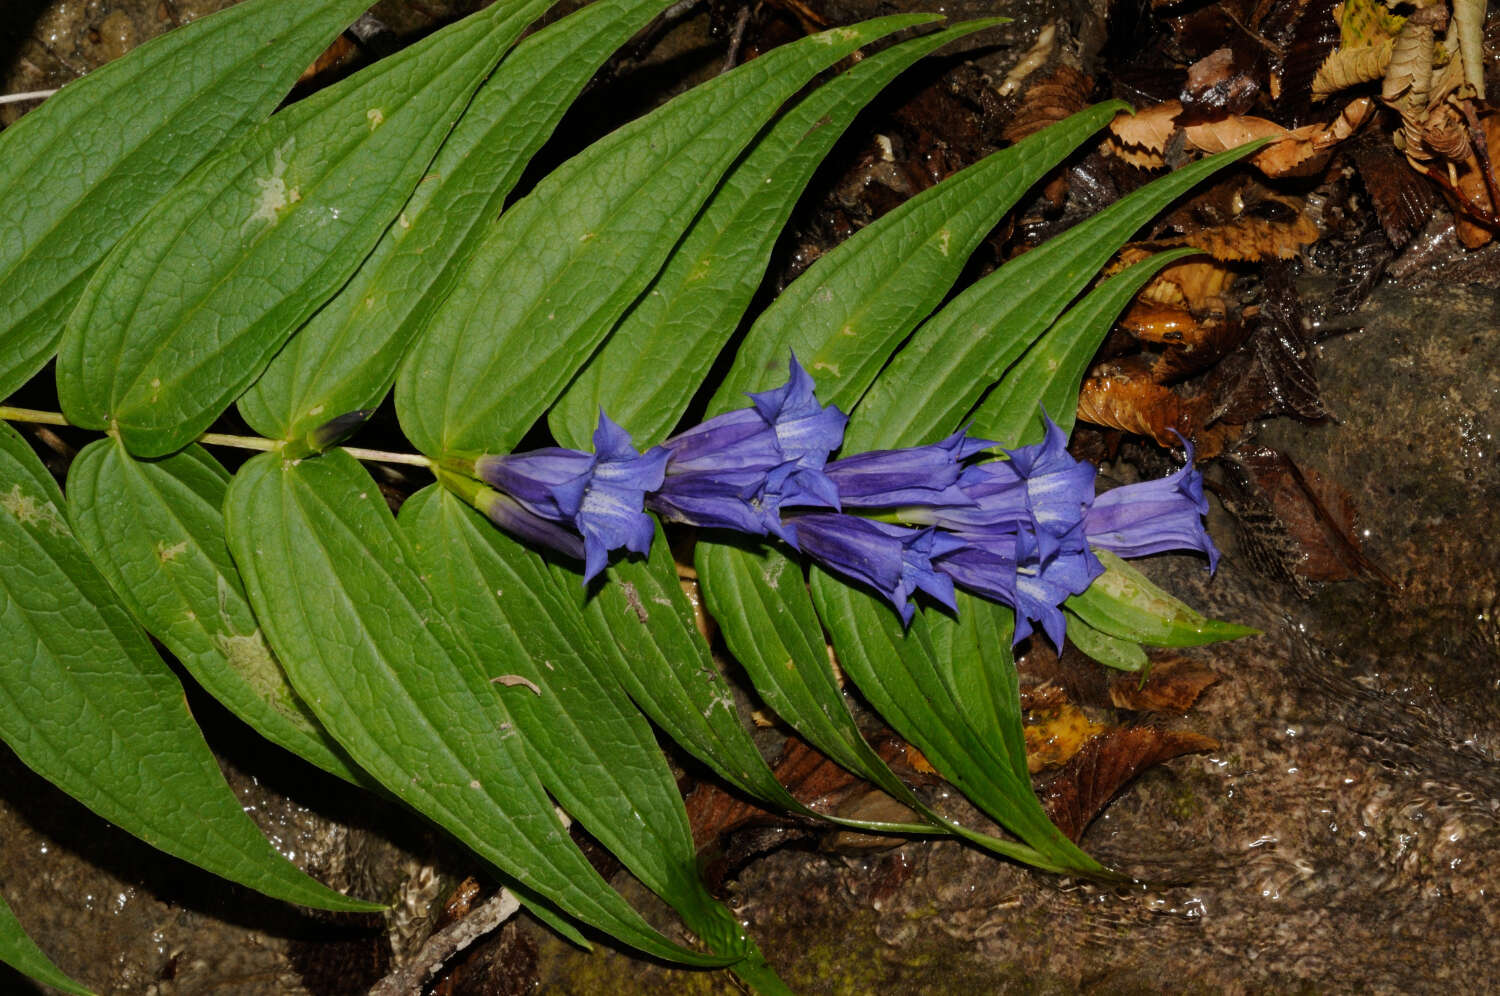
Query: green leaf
pixel 563 264
pixel 759 598
pixel 21 953
pixel 1049 375
pixel 658 356
pixel 336 586
pixel 973 658
pixel 596 754
pixel 344 359
pixel 192 304
pixel 1123 603
pixel 1111 651
pixel 851 309
pixel 78 171
pixel 644 634
pixel 155 530
pixel 88 705
pixel 939 375
pixel 898 673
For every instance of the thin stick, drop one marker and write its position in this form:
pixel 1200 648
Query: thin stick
pixel 21 98
pixel 261 443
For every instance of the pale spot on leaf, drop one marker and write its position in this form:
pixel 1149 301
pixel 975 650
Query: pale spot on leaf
pixel 31 511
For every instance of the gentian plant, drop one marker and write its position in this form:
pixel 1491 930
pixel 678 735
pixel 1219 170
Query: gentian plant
pixel 210 251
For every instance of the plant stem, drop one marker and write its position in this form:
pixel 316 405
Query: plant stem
pixel 10 414
pixel 19 98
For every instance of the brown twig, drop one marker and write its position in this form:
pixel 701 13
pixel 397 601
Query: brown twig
pixel 1480 143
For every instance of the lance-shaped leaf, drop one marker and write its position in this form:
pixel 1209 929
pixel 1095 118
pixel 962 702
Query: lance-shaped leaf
pixel 851 309
pixel 192 304
pixel 336 586
pixel 644 635
pixel 1111 651
pixel 596 754
pixel 156 533
pixel 20 952
pixel 953 357
pixel 344 359
pixel 973 657
pixel 561 266
pixel 657 357
pixel 1048 376
pixel 760 601
pixel 758 597
pixel 897 672
pixel 86 703
pixel 1122 602
pixel 78 171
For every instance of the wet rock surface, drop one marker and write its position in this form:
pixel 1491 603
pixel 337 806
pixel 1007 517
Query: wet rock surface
pixel 1342 839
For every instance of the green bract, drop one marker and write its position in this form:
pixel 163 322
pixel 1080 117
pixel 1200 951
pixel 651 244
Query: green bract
pixel 202 252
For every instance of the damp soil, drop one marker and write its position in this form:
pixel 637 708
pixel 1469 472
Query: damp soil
pixel 1343 838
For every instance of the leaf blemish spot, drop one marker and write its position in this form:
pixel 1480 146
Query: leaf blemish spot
pixel 475 784
pixel 376 117
pixel 28 511
pixel 165 553
pixel 275 196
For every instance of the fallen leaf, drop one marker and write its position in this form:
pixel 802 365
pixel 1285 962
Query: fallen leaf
pixel 1105 764
pixel 1273 371
pixel 1173 685
pixel 1061 93
pixel 1318 514
pixel 1055 733
pixel 1402 200
pixel 1140 139
pixel 1224 81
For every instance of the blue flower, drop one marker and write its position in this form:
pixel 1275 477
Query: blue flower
pixel 1153 516
pixel 1008 568
pixel 601 494
pixel 784 425
pixel 1040 489
pixel 894 560
pixel 746 501
pixel 917 475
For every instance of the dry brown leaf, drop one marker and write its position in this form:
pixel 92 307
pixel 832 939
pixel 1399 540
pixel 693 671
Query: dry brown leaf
pixel 1305 151
pixel 1402 200
pixel 1270 227
pixel 1224 81
pixel 1086 784
pixel 1476 186
pixel 1063 92
pixel 1172 686
pixel 1229 132
pixel 1123 395
pixel 1317 513
pixel 1199 287
pixel 1140 139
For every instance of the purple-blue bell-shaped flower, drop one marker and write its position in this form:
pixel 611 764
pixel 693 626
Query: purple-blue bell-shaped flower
pixel 746 501
pixel 1040 489
pixel 601 494
pixel 1153 516
pixel 894 560
pixel 1007 568
pixel 916 475
pixel 782 425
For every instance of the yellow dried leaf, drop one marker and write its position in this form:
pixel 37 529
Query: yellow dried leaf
pixel 1352 66
pixel 1054 735
pixel 1367 22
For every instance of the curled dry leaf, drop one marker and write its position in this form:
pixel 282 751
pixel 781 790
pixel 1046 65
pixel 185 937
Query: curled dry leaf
pixel 1087 782
pixel 1271 226
pixel 1402 200
pixel 1173 685
pixel 1123 395
pixel 1062 92
pixel 1477 185
pixel 1219 83
pixel 1349 67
